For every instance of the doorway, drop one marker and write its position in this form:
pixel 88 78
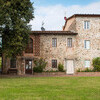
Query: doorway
pixel 28 66
pixel 70 66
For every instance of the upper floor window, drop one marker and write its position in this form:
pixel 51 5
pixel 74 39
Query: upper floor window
pixel 54 63
pixel 87 63
pixel 54 42
pixel 86 24
pixel 69 42
pixel 87 44
pixel 29 48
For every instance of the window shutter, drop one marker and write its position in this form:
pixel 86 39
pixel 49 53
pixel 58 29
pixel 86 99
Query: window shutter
pixel 87 63
pixel 87 44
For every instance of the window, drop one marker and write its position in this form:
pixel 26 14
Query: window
pixel 87 44
pixel 54 42
pixel 87 63
pixel 54 63
pixel 13 63
pixel 29 48
pixel 69 42
pixel 86 24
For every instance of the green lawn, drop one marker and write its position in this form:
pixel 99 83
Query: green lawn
pixel 50 88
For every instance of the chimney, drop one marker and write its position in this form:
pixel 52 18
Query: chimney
pixel 65 18
pixel 42 29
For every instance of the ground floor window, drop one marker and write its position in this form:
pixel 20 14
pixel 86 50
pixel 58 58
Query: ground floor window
pixel 13 63
pixel 54 63
pixel 87 63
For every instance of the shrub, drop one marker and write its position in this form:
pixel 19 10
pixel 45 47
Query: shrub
pixel 96 64
pixel 51 71
pixel 79 70
pixel 60 67
pixel 40 64
pixel 37 69
pixel 86 70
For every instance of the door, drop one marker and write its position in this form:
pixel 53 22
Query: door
pixel 28 66
pixel 70 66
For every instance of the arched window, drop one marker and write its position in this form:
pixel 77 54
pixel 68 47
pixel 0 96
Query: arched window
pixel 29 48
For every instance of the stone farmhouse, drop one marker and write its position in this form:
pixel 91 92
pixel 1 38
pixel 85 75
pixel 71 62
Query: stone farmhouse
pixel 75 46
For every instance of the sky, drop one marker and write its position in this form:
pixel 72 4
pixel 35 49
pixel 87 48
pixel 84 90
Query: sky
pixel 52 12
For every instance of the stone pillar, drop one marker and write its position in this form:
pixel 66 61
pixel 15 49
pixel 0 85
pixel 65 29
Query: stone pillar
pixel 23 66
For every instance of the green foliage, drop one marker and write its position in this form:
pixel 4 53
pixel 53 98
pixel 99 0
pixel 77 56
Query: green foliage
pixel 37 69
pixel 40 64
pixel 14 28
pixel 78 70
pixel 96 64
pixel 60 67
pixel 86 70
pixel 51 71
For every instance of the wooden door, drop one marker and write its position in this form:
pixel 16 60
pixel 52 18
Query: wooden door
pixel 28 66
pixel 70 67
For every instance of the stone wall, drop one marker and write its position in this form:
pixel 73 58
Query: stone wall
pixel 60 53
pixel 71 25
pixel 42 46
pixel 20 62
pixel 92 34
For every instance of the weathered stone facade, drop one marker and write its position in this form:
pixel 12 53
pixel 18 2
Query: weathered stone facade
pixel 92 34
pixel 60 53
pixel 42 44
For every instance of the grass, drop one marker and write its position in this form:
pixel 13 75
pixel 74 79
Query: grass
pixel 50 88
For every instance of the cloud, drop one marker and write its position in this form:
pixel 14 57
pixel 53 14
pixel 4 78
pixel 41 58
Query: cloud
pixel 53 16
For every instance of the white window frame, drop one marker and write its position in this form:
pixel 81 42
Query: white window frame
pixel 86 25
pixel 87 46
pixel 87 63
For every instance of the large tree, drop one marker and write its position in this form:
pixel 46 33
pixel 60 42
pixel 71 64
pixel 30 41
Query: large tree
pixel 15 16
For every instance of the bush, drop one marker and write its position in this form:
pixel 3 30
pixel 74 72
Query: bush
pixel 86 70
pixel 79 70
pixel 96 64
pixel 37 69
pixel 60 67
pixel 40 64
pixel 51 71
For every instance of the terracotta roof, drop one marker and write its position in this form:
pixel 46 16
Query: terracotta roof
pixel 53 33
pixel 81 15
pixel 84 15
